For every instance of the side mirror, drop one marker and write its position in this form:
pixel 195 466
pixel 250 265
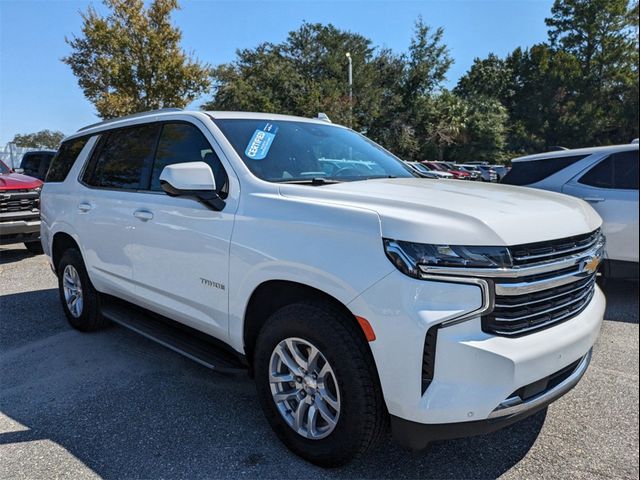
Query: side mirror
pixel 18 170
pixel 192 179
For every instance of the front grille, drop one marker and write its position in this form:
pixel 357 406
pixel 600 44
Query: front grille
pixel 532 253
pixel 519 314
pixel 19 201
pixel 555 285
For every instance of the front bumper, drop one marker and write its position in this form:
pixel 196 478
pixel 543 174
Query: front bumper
pixel 417 436
pixel 475 372
pixel 16 231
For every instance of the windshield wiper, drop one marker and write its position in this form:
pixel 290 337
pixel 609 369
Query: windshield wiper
pixel 315 181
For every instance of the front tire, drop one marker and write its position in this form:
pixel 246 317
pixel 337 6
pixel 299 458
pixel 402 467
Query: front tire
pixel 80 301
pixel 317 384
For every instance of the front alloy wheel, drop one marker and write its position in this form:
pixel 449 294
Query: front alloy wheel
pixel 304 388
pixel 72 287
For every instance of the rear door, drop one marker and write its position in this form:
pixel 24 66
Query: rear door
pixel 106 204
pixel 181 248
pixel 611 187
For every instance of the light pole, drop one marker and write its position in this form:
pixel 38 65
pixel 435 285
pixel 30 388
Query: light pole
pixel 350 90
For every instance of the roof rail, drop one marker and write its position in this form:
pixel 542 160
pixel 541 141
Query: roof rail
pixel 133 115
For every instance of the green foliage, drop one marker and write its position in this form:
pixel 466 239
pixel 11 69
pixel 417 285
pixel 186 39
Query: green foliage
pixel 131 60
pixel 579 88
pixel 41 139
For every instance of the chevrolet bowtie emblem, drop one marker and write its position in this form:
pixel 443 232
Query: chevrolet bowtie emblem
pixel 591 265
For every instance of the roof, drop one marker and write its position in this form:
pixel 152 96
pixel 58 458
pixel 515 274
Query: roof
pixel 577 151
pixel 213 114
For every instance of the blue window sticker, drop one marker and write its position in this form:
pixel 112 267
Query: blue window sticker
pixel 260 143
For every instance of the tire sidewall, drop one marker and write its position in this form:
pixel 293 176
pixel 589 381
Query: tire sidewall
pixel 90 307
pixel 344 440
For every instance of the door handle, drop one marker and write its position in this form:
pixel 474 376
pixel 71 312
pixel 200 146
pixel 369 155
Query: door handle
pixel 144 215
pixel 594 199
pixel 84 207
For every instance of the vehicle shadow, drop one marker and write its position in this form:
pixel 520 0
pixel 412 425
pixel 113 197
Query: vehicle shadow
pixel 128 408
pixel 13 253
pixel 622 301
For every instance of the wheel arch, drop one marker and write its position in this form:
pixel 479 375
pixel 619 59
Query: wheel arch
pixel 272 295
pixel 61 242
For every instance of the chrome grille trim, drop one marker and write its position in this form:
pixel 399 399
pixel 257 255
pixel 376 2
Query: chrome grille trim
pixel 546 311
pixel 555 248
pixel 520 305
pixel 534 295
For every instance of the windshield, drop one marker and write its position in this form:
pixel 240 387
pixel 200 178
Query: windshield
pixel 421 167
pixel 290 151
pixel 4 169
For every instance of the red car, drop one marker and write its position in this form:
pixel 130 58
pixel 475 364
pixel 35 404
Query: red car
pixel 19 209
pixel 459 174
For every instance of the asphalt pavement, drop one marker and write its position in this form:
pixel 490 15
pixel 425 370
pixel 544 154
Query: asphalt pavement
pixel 112 404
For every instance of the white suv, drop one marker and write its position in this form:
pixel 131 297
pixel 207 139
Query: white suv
pixel 606 177
pixel 356 294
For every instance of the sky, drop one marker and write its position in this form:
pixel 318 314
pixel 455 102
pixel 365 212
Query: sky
pixel 38 91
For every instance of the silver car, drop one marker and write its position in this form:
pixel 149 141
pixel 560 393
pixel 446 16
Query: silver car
pixel 607 178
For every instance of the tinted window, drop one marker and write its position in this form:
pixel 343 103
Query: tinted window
pixel 180 143
pixel 285 151
pixel 528 172
pixel 619 171
pixel 65 158
pixel 122 158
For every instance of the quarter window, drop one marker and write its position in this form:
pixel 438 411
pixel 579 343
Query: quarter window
pixel 122 158
pixel 617 171
pixel 65 158
pixel 533 171
pixel 183 142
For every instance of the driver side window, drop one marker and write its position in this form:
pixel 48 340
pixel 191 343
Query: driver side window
pixel 183 142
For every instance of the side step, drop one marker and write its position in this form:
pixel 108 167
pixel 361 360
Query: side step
pixel 180 338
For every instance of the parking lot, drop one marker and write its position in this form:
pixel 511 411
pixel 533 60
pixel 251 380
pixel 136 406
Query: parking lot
pixel 113 404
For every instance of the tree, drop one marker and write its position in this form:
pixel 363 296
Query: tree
pixel 131 60
pixel 603 36
pixel 445 121
pixel 41 139
pixel 490 78
pixel 484 137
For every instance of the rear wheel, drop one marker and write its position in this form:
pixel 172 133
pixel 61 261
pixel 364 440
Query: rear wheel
pixel 35 248
pixel 80 301
pixel 317 384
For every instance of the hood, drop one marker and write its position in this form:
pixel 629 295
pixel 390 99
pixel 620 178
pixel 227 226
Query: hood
pixel 459 213
pixel 17 181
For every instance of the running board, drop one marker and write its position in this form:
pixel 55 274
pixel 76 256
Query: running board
pixel 180 338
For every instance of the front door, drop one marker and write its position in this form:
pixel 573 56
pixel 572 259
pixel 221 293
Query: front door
pixel 181 247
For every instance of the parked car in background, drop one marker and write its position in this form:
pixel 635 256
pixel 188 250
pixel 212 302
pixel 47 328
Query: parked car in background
pixel 422 169
pixel 19 209
pixel 445 167
pixel 488 173
pixel 36 163
pixel 472 170
pixel 358 302
pixel 607 178
pixel 501 171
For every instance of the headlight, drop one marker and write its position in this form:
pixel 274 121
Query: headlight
pixel 408 256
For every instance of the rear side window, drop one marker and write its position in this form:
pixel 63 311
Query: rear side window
pixel 528 172
pixel 65 158
pixel 183 142
pixel 618 171
pixel 122 158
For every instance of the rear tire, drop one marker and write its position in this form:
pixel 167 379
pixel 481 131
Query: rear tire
pixel 350 394
pixel 80 301
pixel 35 248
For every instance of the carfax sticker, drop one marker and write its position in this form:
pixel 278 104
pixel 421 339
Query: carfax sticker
pixel 261 141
